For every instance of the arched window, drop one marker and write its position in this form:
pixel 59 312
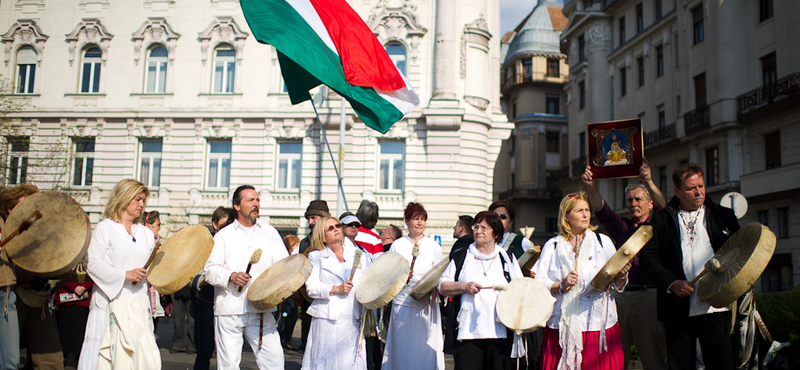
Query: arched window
pixel 157 70
pixel 26 70
pixel 398 55
pixel 224 69
pixel 90 76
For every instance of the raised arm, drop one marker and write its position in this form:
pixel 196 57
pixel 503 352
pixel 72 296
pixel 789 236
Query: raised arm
pixel 655 194
pixel 595 199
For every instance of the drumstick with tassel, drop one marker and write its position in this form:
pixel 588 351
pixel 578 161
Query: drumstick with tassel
pixel 152 257
pixel 253 260
pixel 577 251
pixel 414 254
pixel 364 316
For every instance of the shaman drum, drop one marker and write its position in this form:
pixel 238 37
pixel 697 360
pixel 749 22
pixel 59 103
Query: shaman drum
pixel 383 280
pixel 430 280
pixel 625 254
pixel 524 305
pixel 181 258
pixel 56 242
pixel 737 265
pixel 529 258
pixel 279 281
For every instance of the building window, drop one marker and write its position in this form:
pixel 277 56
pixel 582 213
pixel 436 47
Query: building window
pixel 659 9
pixel 157 70
pixel 552 142
pixel 392 171
pixel 623 82
pixel 26 70
pixel 769 71
pixel 777 277
pixel 621 30
pixel 84 162
pixel 712 166
pixel 677 51
pixel 527 69
pixel 640 68
pixel 90 77
pixel 397 53
pixel 763 217
pixel 662 179
pixel 639 18
pixel 765 10
pixel 698 30
pixel 552 104
pixel 553 67
pixel 290 156
pixel 219 164
pixel 772 150
pixel 224 69
pixel 150 168
pixel 700 91
pixel 662 117
pixel 582 88
pixel 783 223
pixel 582 145
pixel 659 61
pixel 18 159
pixel 581 48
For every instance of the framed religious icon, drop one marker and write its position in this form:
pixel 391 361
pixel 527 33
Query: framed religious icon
pixel 615 148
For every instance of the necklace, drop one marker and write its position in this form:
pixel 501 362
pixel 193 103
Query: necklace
pixel 130 233
pixel 690 222
pixel 485 267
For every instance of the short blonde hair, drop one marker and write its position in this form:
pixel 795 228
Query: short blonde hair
pixel 566 206
pixel 122 194
pixel 318 235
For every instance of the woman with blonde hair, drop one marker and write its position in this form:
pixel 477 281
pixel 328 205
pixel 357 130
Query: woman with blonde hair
pixel 584 320
pixel 119 332
pixel 335 312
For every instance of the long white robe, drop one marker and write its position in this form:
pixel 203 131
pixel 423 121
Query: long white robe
pixel 111 253
pixel 415 338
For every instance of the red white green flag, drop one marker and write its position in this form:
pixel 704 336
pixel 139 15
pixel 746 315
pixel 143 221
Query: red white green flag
pixel 326 42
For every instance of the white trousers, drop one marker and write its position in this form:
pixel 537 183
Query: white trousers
pixel 229 330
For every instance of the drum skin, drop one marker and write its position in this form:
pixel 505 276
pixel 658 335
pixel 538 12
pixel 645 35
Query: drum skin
pixel 524 305
pixel 383 280
pixel 625 254
pixel 743 258
pixel 430 280
pixel 55 243
pixel 279 281
pixel 181 258
pixel 529 258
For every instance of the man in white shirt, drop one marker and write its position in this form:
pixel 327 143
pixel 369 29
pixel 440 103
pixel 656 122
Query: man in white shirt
pixel 234 316
pixel 686 233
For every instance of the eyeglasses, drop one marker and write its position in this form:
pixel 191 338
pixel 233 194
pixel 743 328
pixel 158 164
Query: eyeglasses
pixel 503 216
pixel 480 228
pixel 353 224
pixel 330 228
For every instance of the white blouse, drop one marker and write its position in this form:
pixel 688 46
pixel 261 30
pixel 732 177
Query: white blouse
pixel 430 252
pixel 328 272
pixel 550 270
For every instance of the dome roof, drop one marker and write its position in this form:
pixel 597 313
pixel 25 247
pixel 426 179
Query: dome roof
pixel 540 31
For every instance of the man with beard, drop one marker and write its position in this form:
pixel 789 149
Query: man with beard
pixel 234 315
pixel 462 231
pixel 686 233
pixel 637 304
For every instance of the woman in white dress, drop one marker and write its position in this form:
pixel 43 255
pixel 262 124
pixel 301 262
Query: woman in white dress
pixel 414 340
pixel 333 340
pixel 119 331
pixel 482 341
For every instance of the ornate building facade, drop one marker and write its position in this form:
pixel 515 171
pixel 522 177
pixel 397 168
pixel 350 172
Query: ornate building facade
pixel 714 83
pixel 179 95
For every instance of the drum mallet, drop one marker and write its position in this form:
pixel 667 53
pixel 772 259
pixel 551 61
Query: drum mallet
pixel 355 264
pixel 253 260
pixel 712 265
pixel 22 227
pixel 495 287
pixel 152 257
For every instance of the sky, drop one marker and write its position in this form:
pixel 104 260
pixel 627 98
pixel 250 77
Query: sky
pixel 513 11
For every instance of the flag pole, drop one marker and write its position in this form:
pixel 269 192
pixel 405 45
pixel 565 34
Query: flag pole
pixel 342 131
pixel 335 168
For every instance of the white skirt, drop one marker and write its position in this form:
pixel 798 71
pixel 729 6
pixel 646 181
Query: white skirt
pixel 332 345
pixel 415 338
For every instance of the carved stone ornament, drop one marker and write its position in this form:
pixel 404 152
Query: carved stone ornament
pixel 476 34
pixel 154 31
pixel 598 37
pixel 88 31
pixel 397 24
pixel 477 102
pixel 222 30
pixel 25 32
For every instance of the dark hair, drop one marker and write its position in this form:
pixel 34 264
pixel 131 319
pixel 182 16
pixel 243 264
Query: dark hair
pixel 414 209
pixel 219 213
pixel 396 232
pixel 501 203
pixel 683 171
pixel 494 222
pixel 367 213
pixel 10 197
pixel 466 222
pixel 237 195
pixel 151 217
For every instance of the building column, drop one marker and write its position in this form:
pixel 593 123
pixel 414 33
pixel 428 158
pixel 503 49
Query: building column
pixel 445 51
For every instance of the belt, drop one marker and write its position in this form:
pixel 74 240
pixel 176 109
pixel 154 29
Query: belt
pixel 633 288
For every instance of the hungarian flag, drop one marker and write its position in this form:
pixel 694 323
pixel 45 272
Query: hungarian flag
pixel 326 42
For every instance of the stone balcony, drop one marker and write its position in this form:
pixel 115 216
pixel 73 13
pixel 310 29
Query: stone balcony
pixel 767 99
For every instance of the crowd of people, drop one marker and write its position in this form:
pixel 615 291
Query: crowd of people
pixel 650 303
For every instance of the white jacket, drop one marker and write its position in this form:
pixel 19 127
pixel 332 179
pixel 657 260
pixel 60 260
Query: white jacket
pixel 233 247
pixel 328 272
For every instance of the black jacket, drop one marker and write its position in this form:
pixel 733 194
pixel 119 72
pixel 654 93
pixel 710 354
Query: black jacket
pixel 462 242
pixel 662 259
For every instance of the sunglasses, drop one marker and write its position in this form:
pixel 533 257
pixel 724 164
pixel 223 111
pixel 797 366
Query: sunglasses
pixel 503 216
pixel 353 224
pixel 332 227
